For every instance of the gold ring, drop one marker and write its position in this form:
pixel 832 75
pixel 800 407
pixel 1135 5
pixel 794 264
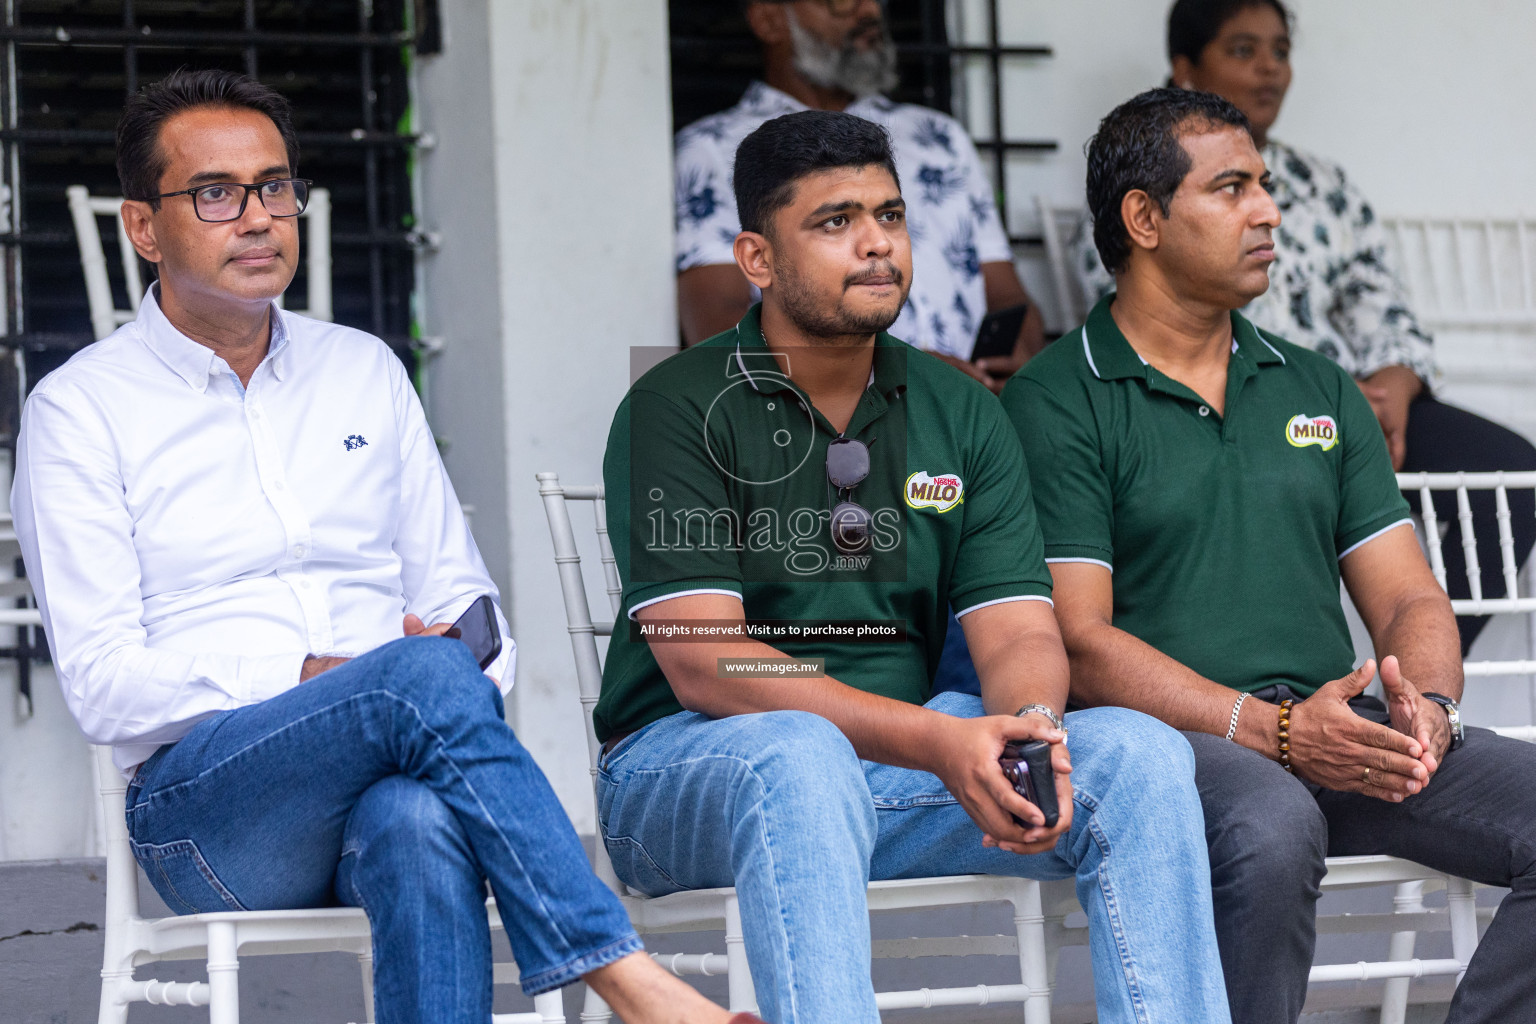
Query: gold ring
pixel 1366 778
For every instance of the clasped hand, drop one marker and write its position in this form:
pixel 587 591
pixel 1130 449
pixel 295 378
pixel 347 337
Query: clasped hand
pixel 967 752
pixel 1337 749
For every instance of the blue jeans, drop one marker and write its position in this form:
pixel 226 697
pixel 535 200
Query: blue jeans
pixel 389 783
pixel 779 805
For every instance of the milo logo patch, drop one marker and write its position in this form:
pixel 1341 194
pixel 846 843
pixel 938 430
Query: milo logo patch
pixel 941 492
pixel 1322 431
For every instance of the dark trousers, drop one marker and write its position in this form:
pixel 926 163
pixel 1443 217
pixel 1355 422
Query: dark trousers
pixel 1443 439
pixel 1268 833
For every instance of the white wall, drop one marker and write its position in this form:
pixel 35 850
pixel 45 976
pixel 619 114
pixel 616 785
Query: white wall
pixel 1426 103
pixel 572 168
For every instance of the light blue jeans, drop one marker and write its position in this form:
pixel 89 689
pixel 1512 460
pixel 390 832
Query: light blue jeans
pixel 779 805
pixel 390 783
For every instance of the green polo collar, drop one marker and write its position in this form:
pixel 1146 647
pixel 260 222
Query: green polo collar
pixel 1111 357
pixel 757 363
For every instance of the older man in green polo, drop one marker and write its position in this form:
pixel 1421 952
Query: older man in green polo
pixel 1202 486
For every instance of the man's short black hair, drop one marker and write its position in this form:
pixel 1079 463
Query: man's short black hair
pixel 1192 24
pixel 785 149
pixel 1137 147
pixel 140 162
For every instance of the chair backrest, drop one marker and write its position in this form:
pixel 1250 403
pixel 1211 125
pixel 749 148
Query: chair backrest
pixel 1058 225
pixel 1465 273
pixel 85 209
pixel 1426 485
pixel 1513 601
pixel 579 620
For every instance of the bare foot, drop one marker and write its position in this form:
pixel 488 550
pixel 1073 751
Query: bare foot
pixel 641 991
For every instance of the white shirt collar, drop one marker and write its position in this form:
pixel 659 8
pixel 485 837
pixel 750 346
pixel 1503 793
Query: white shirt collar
pixel 193 361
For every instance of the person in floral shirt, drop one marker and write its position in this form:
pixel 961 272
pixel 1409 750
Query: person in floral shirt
pixel 838 55
pixel 1331 288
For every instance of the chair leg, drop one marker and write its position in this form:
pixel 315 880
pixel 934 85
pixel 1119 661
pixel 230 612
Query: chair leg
pixel 1461 905
pixel 1054 923
pixel 550 1007
pixel 365 961
pixel 223 974
pixel 594 1010
pixel 742 996
pixel 113 1010
pixel 1034 971
pixel 1394 995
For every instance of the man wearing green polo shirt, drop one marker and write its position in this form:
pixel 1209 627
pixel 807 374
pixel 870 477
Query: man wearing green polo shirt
pixel 818 489
pixel 1202 487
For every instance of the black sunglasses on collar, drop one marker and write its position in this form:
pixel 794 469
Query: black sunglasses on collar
pixel 847 467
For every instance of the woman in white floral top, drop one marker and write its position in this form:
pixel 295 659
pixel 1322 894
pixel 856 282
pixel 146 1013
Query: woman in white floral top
pixel 1331 288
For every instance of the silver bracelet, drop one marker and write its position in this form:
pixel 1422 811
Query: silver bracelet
pixel 1236 707
pixel 1040 709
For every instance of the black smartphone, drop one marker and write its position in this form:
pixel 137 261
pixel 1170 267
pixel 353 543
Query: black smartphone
pixel 477 628
pixel 1028 767
pixel 999 332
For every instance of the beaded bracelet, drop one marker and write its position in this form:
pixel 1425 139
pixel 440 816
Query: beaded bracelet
pixel 1285 734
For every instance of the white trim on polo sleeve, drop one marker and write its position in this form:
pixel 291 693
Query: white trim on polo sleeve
pixel 1005 600
pixel 1378 533
pixel 682 593
pixel 1086 561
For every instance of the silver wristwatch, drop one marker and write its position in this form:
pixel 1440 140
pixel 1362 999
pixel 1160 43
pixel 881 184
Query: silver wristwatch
pixel 1452 712
pixel 1040 709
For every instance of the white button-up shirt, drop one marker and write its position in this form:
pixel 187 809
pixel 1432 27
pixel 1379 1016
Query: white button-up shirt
pixel 190 541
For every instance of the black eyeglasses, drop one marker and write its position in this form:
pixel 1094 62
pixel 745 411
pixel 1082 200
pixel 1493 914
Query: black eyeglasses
pixel 847 467
pixel 225 200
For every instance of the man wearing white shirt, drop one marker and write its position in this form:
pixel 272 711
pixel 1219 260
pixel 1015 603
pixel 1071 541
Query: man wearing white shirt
pixel 223 501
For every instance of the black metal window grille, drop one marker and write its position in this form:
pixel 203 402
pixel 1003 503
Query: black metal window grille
pixel 715 56
pixel 66 67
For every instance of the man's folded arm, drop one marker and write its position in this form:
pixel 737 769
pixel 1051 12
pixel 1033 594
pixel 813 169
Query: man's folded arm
pixel 76 537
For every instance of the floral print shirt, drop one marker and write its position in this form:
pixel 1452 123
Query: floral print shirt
pixel 951 213
pixel 1331 288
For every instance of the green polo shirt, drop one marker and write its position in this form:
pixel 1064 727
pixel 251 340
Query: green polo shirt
pixel 717 483
pixel 1224 533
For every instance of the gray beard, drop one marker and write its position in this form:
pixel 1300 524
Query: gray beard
pixel 855 71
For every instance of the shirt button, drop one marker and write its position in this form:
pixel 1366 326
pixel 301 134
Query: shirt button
pixel 1204 411
pixel 298 551
pixel 277 485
